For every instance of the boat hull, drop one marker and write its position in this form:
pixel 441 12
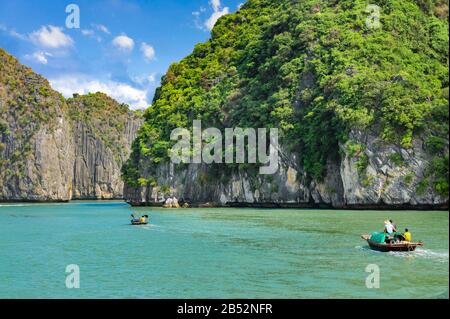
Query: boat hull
pixel 391 247
pixel 138 223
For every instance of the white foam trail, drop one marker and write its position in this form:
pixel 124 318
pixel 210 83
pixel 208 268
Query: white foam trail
pixel 423 253
pixel 427 253
pixel 148 226
pixel 418 253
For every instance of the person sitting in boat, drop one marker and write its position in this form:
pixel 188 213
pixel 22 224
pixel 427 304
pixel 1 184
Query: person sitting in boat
pixel 407 235
pixel 142 219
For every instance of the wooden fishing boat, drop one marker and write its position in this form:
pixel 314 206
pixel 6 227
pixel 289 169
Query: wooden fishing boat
pixel 385 247
pixel 138 223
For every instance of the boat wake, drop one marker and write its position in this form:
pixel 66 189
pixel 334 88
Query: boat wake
pixel 148 227
pixel 423 253
pixel 367 248
pixel 418 253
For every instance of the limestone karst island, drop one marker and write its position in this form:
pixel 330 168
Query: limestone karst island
pixel 277 148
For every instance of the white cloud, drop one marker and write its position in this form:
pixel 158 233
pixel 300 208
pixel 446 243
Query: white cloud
pixel 123 42
pixel 143 80
pixel 38 57
pixel 82 84
pixel 215 4
pixel 87 32
pixel 215 16
pixel 102 28
pixel 217 12
pixel 13 33
pixel 91 34
pixel 51 37
pixel 148 51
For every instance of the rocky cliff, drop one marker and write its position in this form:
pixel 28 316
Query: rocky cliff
pixel 56 150
pixel 362 110
pixel 391 177
pixel 36 144
pixel 103 133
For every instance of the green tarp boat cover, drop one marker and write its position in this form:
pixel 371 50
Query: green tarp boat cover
pixel 378 237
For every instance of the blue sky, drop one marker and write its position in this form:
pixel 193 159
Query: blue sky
pixel 122 48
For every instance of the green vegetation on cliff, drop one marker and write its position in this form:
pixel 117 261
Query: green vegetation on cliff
pixel 105 117
pixel 315 69
pixel 52 148
pixel 27 104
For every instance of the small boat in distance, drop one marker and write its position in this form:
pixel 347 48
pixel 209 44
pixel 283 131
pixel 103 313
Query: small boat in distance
pixel 395 246
pixel 139 220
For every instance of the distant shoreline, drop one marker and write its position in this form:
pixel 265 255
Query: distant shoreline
pixel 31 201
pixel 443 207
pixel 361 207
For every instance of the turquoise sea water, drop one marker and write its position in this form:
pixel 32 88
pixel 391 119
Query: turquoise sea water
pixel 214 253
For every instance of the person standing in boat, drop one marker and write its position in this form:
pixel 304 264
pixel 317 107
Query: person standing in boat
pixel 388 227
pixel 393 225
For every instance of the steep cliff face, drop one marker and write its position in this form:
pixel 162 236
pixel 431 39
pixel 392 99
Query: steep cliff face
pixel 103 133
pixel 388 180
pixel 36 147
pixel 388 174
pixel 362 110
pixel 53 150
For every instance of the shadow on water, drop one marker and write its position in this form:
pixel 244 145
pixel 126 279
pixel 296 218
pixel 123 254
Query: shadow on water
pixel 23 216
pixel 101 204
